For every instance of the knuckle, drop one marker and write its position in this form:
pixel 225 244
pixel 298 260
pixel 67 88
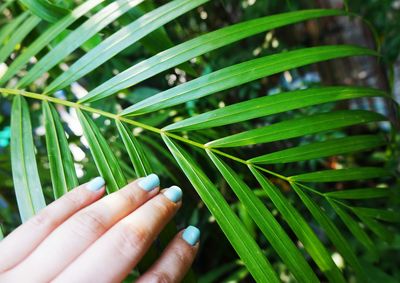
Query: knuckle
pixel 134 234
pixel 89 222
pixel 43 219
pixel 130 238
pixel 182 256
pixel 163 208
pixel 75 199
pixel 130 197
pixel 159 277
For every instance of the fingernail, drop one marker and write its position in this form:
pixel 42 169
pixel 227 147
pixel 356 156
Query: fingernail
pixel 149 182
pixel 95 184
pixel 174 193
pixel 191 235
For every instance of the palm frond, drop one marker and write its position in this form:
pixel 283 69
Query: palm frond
pixel 26 178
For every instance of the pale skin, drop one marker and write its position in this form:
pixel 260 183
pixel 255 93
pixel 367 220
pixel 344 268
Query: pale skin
pixel 84 237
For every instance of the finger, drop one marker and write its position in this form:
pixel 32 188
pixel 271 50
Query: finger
pixel 122 247
pixel 176 259
pixel 23 240
pixel 76 234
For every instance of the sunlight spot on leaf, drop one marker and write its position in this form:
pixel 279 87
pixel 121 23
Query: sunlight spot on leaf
pixel 284 277
pixel 275 43
pixel 77 152
pixel 78 90
pixel 84 141
pixel 95 115
pixel 172 113
pixel 203 15
pixel 288 76
pixel 300 245
pixel 382 186
pixel 137 131
pixel 63 67
pixel 177 119
pixel 3 69
pixel 171 79
pixel 79 170
pixel 268 36
pixel 72 120
pixel 257 51
pixel 40 131
pixel 338 259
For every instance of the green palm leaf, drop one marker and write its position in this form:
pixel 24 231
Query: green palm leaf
pixel 104 158
pixel 300 227
pixel 135 151
pixel 359 193
pixel 27 26
pixel 354 227
pixel 196 47
pixel 240 239
pixel 268 105
pixel 332 231
pixel 321 149
pixel 342 175
pixel 79 36
pixel 242 73
pixel 267 223
pixel 62 168
pixel 122 39
pixel 377 228
pixel 299 127
pixel 10 27
pixel 45 9
pixel 28 189
pixel 385 215
pixel 46 37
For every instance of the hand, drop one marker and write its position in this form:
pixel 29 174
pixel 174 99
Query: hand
pixel 82 237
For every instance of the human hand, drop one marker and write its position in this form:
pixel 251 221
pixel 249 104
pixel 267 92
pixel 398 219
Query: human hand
pixel 82 237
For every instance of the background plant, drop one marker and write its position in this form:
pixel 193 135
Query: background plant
pixel 266 148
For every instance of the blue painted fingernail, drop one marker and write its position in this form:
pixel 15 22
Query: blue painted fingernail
pixel 174 194
pixel 149 182
pixel 191 235
pixel 95 184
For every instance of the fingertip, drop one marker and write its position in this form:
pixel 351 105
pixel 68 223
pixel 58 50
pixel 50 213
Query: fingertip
pixel 191 235
pixel 95 184
pixel 149 183
pixel 174 194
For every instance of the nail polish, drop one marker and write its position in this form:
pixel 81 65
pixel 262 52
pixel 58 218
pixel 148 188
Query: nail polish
pixel 95 184
pixel 149 182
pixel 174 193
pixel 191 235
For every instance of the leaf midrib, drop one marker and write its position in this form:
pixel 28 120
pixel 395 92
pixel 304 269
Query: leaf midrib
pixel 75 105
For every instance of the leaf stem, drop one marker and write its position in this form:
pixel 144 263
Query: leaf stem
pixel 75 105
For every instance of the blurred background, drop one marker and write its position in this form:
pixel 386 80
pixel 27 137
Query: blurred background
pixel 378 28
